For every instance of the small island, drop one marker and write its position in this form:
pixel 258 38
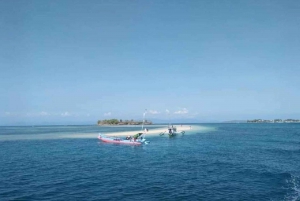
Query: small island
pixel 122 122
pixel 274 121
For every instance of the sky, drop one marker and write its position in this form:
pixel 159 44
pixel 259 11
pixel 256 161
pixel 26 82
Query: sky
pixel 76 62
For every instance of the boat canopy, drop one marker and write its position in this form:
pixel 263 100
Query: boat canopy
pixel 137 135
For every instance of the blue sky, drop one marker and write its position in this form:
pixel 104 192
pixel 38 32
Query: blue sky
pixel 203 61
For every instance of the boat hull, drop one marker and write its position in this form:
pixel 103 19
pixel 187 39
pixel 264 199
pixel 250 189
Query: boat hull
pixel 119 141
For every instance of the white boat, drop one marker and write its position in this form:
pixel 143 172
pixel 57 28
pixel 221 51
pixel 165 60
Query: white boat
pixel 172 131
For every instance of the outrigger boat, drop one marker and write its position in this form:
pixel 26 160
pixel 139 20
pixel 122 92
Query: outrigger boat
pixel 172 131
pixel 137 139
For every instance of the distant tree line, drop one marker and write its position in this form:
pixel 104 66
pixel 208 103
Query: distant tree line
pixel 122 122
pixel 274 121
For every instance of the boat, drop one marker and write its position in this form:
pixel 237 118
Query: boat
pixel 172 131
pixel 138 139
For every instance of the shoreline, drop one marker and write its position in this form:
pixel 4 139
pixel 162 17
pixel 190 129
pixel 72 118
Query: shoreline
pixel 93 135
pixel 150 132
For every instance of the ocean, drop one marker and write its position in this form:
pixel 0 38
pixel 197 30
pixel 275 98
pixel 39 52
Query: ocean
pixel 221 162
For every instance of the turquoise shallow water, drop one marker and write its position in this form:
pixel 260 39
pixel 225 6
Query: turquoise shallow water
pixel 223 162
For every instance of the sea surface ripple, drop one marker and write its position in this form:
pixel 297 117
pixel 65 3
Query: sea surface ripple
pixel 226 162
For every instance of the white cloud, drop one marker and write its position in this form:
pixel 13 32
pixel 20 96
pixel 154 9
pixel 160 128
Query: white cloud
pixel 43 114
pixel 167 111
pixel 182 111
pixel 36 114
pixel 153 112
pixel 65 114
pixel 29 114
pixel 107 114
pixel 10 114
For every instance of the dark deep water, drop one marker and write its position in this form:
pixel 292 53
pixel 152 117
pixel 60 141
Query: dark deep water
pixel 232 162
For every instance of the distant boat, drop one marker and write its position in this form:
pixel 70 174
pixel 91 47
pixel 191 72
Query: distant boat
pixel 172 131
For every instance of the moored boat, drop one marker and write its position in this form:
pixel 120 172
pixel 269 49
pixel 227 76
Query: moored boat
pixel 136 140
pixel 172 131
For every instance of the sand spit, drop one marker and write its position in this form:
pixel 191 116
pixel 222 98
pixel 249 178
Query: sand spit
pixel 150 132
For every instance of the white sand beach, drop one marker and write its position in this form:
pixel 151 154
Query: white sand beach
pixel 150 132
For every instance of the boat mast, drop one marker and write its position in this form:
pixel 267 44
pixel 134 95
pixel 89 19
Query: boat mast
pixel 144 119
pixel 168 117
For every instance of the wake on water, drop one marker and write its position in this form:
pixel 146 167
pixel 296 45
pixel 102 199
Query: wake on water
pixel 293 186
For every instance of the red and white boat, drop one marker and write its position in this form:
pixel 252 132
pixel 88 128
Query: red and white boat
pixel 139 140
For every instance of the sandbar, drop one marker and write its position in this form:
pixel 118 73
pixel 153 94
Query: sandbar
pixel 150 131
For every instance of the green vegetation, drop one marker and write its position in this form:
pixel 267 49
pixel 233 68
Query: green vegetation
pixel 122 122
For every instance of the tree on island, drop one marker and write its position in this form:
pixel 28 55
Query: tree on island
pixel 121 122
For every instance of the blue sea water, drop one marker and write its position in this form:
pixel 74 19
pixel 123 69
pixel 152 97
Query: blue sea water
pixel 223 162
